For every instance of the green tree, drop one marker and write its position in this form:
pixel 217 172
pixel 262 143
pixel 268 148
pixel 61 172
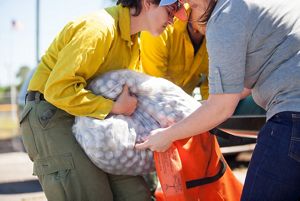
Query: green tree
pixel 21 75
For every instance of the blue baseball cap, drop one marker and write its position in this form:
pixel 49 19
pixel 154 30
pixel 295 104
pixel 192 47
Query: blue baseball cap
pixel 166 2
pixel 180 13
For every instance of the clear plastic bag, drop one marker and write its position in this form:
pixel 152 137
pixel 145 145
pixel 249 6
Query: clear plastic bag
pixel 109 143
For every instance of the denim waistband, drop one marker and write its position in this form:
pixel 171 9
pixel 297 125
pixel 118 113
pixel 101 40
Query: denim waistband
pixel 287 116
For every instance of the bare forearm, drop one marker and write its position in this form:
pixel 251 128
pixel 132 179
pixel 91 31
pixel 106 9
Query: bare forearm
pixel 214 111
pixel 246 92
pixel 209 115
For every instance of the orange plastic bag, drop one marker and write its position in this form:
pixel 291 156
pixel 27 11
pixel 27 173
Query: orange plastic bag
pixel 193 169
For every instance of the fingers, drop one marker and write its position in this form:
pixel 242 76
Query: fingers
pixel 125 90
pixel 133 103
pixel 145 146
pixel 142 146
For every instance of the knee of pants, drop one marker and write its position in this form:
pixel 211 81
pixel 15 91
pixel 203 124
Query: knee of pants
pixel 129 188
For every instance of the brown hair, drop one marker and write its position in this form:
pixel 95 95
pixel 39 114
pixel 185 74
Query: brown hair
pixel 136 4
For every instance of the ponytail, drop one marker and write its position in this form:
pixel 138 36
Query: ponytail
pixel 136 4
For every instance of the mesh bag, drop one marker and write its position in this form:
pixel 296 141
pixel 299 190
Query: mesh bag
pixel 109 143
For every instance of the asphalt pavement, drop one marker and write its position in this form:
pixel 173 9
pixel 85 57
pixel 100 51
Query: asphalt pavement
pixel 16 180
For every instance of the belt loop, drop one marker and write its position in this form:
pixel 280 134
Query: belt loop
pixel 37 96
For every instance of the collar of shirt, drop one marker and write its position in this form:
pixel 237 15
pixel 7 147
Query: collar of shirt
pixel 219 7
pixel 124 25
pixel 182 25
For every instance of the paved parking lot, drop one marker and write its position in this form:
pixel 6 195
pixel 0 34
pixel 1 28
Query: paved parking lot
pixel 16 180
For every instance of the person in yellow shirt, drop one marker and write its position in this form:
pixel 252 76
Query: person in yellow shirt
pixel 178 54
pixel 87 47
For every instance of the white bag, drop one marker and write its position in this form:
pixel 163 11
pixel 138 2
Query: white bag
pixel 109 143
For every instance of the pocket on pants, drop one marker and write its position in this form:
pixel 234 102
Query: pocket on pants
pixel 46 112
pixel 54 175
pixel 53 164
pixel 27 133
pixel 294 150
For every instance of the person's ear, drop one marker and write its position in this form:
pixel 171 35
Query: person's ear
pixel 146 4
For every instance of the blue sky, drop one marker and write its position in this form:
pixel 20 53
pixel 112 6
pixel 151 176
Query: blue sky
pixel 18 46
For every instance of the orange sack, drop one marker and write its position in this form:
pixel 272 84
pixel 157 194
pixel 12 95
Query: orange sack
pixel 194 169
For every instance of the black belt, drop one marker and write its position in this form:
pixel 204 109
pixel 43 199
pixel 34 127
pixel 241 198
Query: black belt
pixel 34 95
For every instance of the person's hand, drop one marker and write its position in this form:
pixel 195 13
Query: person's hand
pixel 125 104
pixel 158 140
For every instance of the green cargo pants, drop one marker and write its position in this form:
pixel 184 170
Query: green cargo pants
pixel 63 169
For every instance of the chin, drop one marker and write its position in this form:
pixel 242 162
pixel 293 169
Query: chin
pixel 156 33
pixel 159 31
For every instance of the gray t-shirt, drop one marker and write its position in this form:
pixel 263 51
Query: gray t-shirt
pixel 256 44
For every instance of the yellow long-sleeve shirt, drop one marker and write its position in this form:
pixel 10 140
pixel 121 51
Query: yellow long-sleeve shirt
pixel 84 49
pixel 171 56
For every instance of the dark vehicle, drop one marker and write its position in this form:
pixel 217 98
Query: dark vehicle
pixel 239 132
pixel 247 119
pixel 23 91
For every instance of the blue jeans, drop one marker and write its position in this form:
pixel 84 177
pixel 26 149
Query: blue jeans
pixel 274 170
